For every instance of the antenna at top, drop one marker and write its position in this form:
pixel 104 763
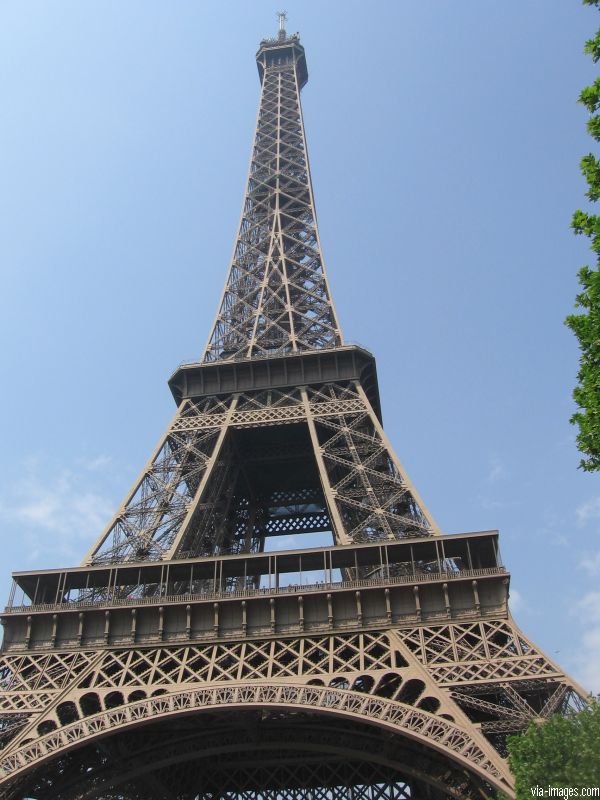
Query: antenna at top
pixel 282 17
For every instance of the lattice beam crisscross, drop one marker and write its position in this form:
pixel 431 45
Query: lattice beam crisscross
pixel 276 297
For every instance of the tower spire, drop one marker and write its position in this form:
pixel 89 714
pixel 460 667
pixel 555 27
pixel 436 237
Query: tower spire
pixel 282 17
pixel 276 297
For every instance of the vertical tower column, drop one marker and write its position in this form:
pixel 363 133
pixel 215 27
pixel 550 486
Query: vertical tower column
pixel 276 297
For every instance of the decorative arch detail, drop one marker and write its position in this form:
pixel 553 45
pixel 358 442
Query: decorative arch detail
pixel 415 723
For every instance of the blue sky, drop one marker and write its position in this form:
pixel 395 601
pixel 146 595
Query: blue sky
pixel 444 140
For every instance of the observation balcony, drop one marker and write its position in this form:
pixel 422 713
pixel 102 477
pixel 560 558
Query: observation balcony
pixel 363 586
pixel 278 371
pixel 281 52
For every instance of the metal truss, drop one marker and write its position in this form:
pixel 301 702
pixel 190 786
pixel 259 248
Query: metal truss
pixel 161 501
pixel 371 495
pixel 86 694
pixel 493 650
pixel 276 297
pixel 56 701
pixel 495 674
pixel 196 495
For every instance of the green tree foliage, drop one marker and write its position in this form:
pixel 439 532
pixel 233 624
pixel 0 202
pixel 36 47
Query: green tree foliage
pixel 586 325
pixel 561 752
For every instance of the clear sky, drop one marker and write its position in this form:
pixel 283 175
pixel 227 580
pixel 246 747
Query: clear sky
pixel 444 138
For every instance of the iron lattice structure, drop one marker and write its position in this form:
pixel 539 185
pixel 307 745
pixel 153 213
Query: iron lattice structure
pixel 189 656
pixel 276 297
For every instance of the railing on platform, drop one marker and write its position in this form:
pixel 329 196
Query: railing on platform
pixel 112 600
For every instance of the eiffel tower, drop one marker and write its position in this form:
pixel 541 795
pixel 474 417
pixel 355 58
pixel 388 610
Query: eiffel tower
pixel 191 655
